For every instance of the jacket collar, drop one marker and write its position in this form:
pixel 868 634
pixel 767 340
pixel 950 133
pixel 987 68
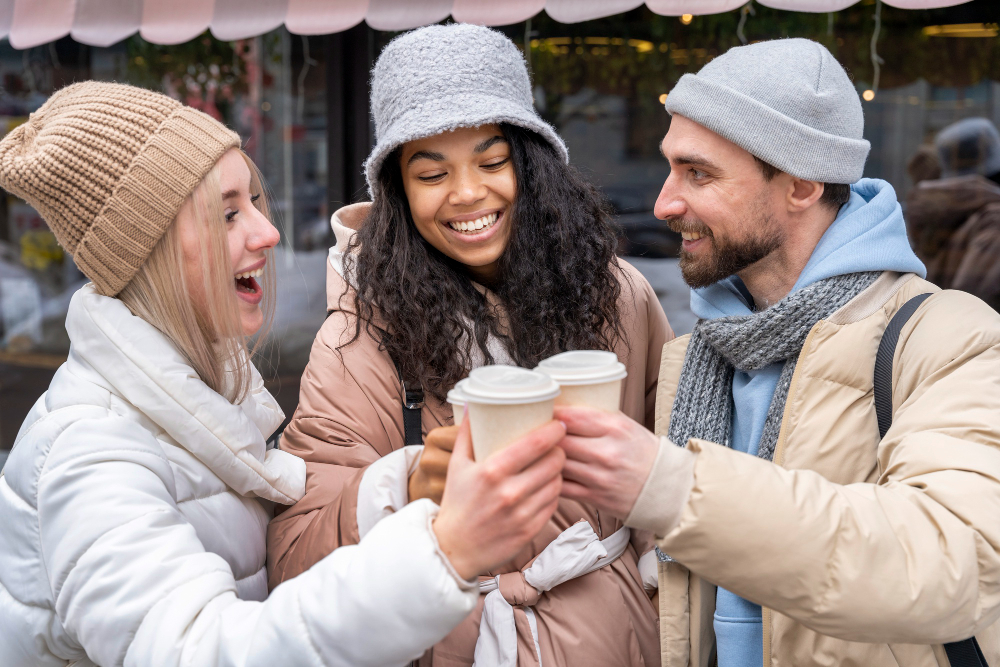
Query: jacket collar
pixel 136 362
pixel 345 222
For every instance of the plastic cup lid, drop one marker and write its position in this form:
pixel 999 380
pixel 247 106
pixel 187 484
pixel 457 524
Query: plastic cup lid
pixel 508 385
pixel 583 367
pixel 457 394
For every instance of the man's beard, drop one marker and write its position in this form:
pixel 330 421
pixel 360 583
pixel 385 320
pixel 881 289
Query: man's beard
pixel 725 256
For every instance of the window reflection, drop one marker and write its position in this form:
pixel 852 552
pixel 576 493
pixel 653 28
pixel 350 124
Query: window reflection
pixel 302 116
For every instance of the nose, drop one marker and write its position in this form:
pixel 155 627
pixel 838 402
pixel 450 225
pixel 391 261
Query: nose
pixel 469 189
pixel 669 204
pixel 262 234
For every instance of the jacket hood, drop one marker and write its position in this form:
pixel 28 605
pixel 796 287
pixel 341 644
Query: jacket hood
pixel 868 235
pixel 935 209
pixel 136 362
pixel 345 222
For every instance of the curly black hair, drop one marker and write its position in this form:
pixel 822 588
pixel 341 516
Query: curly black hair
pixel 558 282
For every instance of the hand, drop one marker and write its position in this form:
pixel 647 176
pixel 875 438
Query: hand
pixel 491 509
pixel 427 481
pixel 608 458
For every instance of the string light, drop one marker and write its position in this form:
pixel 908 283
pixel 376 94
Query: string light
pixel 877 60
pixel 961 30
pixel 686 19
pixel 663 98
pixel 747 9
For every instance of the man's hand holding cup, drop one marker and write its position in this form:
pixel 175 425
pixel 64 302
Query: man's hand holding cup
pixel 608 458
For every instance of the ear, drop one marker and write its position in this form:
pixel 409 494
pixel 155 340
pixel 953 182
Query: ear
pixel 802 194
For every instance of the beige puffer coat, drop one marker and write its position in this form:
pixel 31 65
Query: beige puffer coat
pixel 861 552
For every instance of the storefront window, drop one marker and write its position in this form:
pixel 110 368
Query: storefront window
pixel 603 85
pixel 299 103
pixel 270 89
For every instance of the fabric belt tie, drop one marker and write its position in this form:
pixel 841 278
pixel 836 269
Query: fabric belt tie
pixel 576 552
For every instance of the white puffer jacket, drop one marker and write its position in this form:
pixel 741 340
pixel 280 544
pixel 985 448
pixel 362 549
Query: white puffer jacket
pixel 132 527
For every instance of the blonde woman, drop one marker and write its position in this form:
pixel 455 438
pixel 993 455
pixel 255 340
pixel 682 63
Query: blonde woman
pixel 136 498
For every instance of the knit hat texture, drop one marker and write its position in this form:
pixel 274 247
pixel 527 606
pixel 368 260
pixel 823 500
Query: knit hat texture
pixel 970 146
pixel 787 101
pixel 108 167
pixel 440 78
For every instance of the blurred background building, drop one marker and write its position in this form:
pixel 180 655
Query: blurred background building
pixel 300 102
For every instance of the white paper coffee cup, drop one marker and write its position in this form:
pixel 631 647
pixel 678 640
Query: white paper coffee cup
pixel 592 378
pixel 506 403
pixel 457 399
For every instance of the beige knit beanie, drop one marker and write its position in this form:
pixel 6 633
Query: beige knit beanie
pixel 108 167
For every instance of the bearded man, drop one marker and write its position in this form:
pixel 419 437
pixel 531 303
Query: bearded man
pixel 793 532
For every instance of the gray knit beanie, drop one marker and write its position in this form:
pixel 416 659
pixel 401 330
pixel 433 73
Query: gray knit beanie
pixel 440 78
pixel 787 101
pixel 970 146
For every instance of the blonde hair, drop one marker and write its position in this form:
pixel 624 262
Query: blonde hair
pixel 212 341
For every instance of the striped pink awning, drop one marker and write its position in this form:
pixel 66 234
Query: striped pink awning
pixel 29 23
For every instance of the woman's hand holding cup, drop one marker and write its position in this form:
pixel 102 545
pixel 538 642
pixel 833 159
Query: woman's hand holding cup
pixel 428 480
pixel 491 509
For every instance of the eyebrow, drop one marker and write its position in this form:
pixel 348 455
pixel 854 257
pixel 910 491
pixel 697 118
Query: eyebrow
pixel 425 155
pixel 481 147
pixel 695 160
pixel 230 194
pixel 487 144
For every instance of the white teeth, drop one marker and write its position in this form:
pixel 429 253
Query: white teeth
pixel 475 225
pixel 690 236
pixel 250 274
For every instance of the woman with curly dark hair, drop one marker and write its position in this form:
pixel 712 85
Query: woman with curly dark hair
pixel 481 245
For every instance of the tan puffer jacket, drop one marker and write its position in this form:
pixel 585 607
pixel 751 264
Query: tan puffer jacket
pixel 861 552
pixel 350 417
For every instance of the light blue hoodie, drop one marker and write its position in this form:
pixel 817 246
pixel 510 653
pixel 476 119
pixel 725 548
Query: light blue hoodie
pixel 868 235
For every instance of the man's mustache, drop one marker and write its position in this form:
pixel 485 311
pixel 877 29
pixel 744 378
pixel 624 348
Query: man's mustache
pixel 680 226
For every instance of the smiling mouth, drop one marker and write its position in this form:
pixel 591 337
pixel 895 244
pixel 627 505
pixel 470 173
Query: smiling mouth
pixel 476 226
pixel 689 231
pixel 246 283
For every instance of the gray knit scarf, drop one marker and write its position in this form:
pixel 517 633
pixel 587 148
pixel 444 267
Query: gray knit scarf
pixel 703 405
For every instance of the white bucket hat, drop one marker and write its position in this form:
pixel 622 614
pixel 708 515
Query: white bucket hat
pixel 440 78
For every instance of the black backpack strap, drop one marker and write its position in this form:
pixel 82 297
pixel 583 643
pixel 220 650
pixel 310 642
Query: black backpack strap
pixel 275 439
pixel 965 653
pixel 413 405
pixel 883 362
